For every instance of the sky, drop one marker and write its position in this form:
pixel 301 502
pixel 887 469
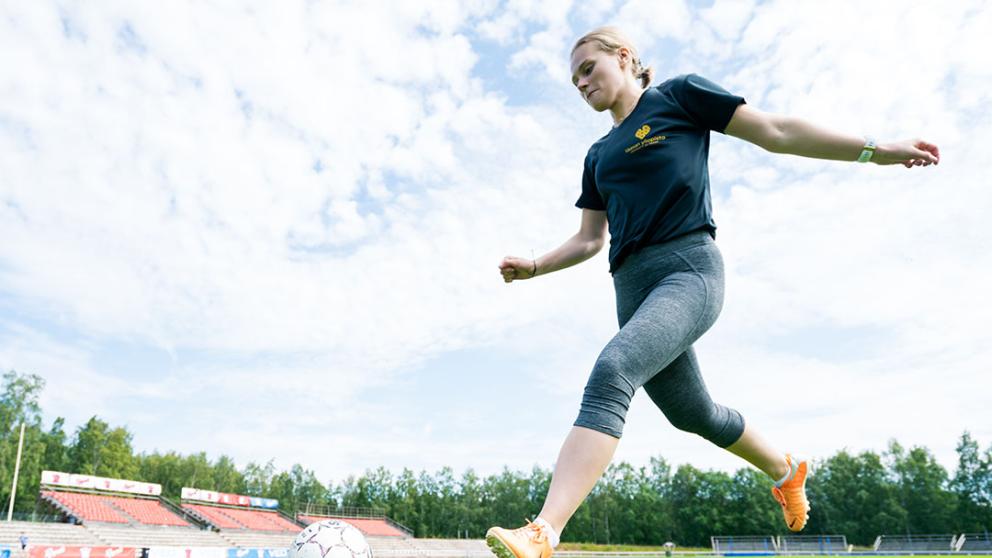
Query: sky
pixel 272 230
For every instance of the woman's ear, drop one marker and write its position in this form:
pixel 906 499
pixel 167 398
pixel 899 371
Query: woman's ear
pixel 624 54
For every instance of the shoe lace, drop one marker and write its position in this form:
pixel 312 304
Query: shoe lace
pixel 533 531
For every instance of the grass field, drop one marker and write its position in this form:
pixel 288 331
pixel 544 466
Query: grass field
pixel 589 547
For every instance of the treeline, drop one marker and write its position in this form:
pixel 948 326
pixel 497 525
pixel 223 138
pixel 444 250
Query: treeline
pixel 859 495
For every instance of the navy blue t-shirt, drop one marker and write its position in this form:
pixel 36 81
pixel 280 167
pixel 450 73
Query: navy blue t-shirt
pixel 650 173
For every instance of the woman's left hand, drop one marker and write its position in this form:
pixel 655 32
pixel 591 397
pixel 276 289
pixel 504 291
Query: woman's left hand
pixel 909 153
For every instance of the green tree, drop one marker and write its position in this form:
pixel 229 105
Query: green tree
pixel 258 477
pixel 854 495
pixel 19 406
pixel 163 469
pixel 226 477
pixel 296 487
pixel 99 450
pixel 56 452
pixel 507 496
pixel 699 499
pixel 751 508
pixel 921 486
pixel 19 401
pixel 972 484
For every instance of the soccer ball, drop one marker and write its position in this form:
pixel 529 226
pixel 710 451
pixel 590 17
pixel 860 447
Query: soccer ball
pixel 330 539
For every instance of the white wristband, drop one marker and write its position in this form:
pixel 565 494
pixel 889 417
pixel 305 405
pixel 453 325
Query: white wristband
pixel 867 151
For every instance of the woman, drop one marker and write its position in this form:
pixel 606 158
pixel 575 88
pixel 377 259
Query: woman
pixel 647 181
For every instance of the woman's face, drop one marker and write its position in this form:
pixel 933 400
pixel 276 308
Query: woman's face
pixel 598 75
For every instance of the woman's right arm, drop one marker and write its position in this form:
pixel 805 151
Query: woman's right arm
pixel 580 247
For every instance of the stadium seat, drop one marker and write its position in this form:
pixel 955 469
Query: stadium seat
pixel 243 518
pixel 914 543
pixel 86 507
pixel 214 515
pixel 822 544
pixel 261 520
pixel 975 542
pixel 148 512
pixel 370 527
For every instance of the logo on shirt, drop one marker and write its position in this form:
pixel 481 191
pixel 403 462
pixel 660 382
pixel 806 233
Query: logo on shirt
pixel 640 134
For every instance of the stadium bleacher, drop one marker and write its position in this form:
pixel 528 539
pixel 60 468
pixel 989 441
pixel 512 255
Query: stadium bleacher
pixel 975 542
pixel 259 520
pixel 370 527
pixel 214 516
pixel 231 518
pixel 914 543
pixel 87 507
pixel 812 543
pixel 749 544
pixel 145 536
pixel 256 539
pixel 55 533
pixel 395 547
pixel 148 512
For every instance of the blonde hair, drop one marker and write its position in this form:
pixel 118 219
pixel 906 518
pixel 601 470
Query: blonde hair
pixel 611 39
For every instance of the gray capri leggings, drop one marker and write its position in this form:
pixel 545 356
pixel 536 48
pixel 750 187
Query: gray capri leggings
pixel 668 295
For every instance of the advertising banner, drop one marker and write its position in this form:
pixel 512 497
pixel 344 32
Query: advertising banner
pixel 264 503
pixel 187 552
pixel 100 483
pixel 71 551
pixel 228 499
pixel 257 553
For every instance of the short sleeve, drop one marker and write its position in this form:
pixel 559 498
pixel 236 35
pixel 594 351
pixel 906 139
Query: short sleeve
pixel 706 103
pixel 590 198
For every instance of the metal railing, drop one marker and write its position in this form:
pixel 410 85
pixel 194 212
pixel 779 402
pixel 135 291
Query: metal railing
pixel 325 510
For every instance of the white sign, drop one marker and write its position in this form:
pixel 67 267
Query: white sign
pixel 187 552
pixel 99 483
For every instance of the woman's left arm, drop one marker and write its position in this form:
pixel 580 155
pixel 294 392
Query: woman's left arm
pixel 787 134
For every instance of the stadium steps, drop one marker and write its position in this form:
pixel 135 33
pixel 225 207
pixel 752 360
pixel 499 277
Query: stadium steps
pixel 226 518
pixel 45 533
pixel 149 535
pixel 213 516
pixel 369 527
pixel 147 512
pixel 84 507
pixel 258 539
pixel 395 547
pixel 191 518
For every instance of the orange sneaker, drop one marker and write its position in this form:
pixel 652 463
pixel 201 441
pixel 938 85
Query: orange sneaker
pixel 792 495
pixel 529 541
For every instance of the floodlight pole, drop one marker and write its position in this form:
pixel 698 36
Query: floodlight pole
pixel 17 469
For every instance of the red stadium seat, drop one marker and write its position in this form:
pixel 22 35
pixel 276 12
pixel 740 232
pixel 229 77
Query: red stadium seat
pixel 87 507
pixel 96 507
pixel 148 512
pixel 372 527
pixel 215 515
pixel 258 520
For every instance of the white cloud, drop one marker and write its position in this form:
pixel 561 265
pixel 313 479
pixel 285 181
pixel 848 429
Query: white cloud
pixel 167 196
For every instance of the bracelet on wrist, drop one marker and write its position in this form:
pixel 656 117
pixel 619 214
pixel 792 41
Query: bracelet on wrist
pixel 534 273
pixel 868 150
